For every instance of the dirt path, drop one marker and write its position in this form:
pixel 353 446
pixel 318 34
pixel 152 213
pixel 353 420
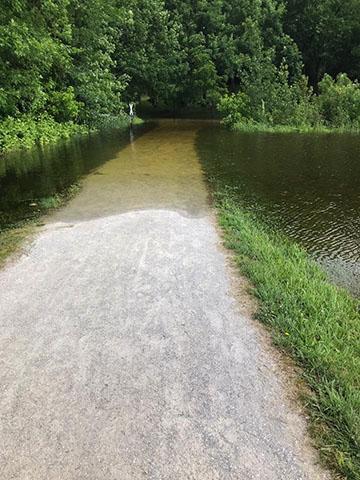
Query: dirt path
pixel 123 354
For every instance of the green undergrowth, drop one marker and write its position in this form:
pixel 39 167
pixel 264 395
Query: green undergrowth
pixel 264 128
pixel 108 122
pixel 14 232
pixel 25 132
pixel 315 322
pixel 138 121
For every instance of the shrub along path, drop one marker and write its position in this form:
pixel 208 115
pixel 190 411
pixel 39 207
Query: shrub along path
pixel 124 353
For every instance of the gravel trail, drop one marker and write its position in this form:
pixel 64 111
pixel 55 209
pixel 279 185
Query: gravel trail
pixel 124 353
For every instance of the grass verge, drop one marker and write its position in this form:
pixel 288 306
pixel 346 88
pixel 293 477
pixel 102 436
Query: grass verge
pixel 315 322
pixel 263 128
pixel 13 235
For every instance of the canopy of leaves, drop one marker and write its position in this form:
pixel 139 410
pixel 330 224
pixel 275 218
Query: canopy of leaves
pixel 82 60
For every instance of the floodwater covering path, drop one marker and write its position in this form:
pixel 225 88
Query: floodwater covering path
pixel 124 353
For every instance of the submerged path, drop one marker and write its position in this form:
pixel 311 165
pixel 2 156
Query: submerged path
pixel 124 353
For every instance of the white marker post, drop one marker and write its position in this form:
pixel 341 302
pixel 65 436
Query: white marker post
pixel 131 112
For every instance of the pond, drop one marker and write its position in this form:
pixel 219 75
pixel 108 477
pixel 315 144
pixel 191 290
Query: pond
pixel 305 185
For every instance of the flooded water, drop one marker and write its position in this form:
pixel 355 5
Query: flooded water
pixel 29 175
pixel 159 171
pixel 307 186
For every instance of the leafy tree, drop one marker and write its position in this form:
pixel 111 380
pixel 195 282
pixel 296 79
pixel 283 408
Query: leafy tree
pixel 33 54
pixel 339 101
pixel 94 25
pixel 81 60
pixel 201 86
pixel 148 52
pixel 328 35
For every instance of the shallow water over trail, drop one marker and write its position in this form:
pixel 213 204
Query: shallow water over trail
pixel 305 185
pixel 154 172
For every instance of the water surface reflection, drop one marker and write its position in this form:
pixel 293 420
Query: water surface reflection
pixel 305 185
pixel 28 175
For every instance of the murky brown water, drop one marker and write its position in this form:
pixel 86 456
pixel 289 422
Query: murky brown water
pixel 30 175
pixel 305 185
pixel 157 171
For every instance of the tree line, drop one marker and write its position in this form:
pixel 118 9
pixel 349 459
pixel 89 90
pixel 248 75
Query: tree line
pixel 80 61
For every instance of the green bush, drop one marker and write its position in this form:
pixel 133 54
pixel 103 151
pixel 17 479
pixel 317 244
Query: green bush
pixel 279 103
pixel 290 104
pixel 26 131
pixel 63 106
pixel 339 102
pixel 234 108
pixel 108 121
pixel 271 101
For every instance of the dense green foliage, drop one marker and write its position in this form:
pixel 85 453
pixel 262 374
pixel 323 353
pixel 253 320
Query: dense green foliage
pixel 56 58
pixel 285 106
pixel 56 61
pixel 328 35
pixel 81 61
pixel 25 131
pixel 180 52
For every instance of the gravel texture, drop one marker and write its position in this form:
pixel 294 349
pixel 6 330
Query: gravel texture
pixel 123 351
